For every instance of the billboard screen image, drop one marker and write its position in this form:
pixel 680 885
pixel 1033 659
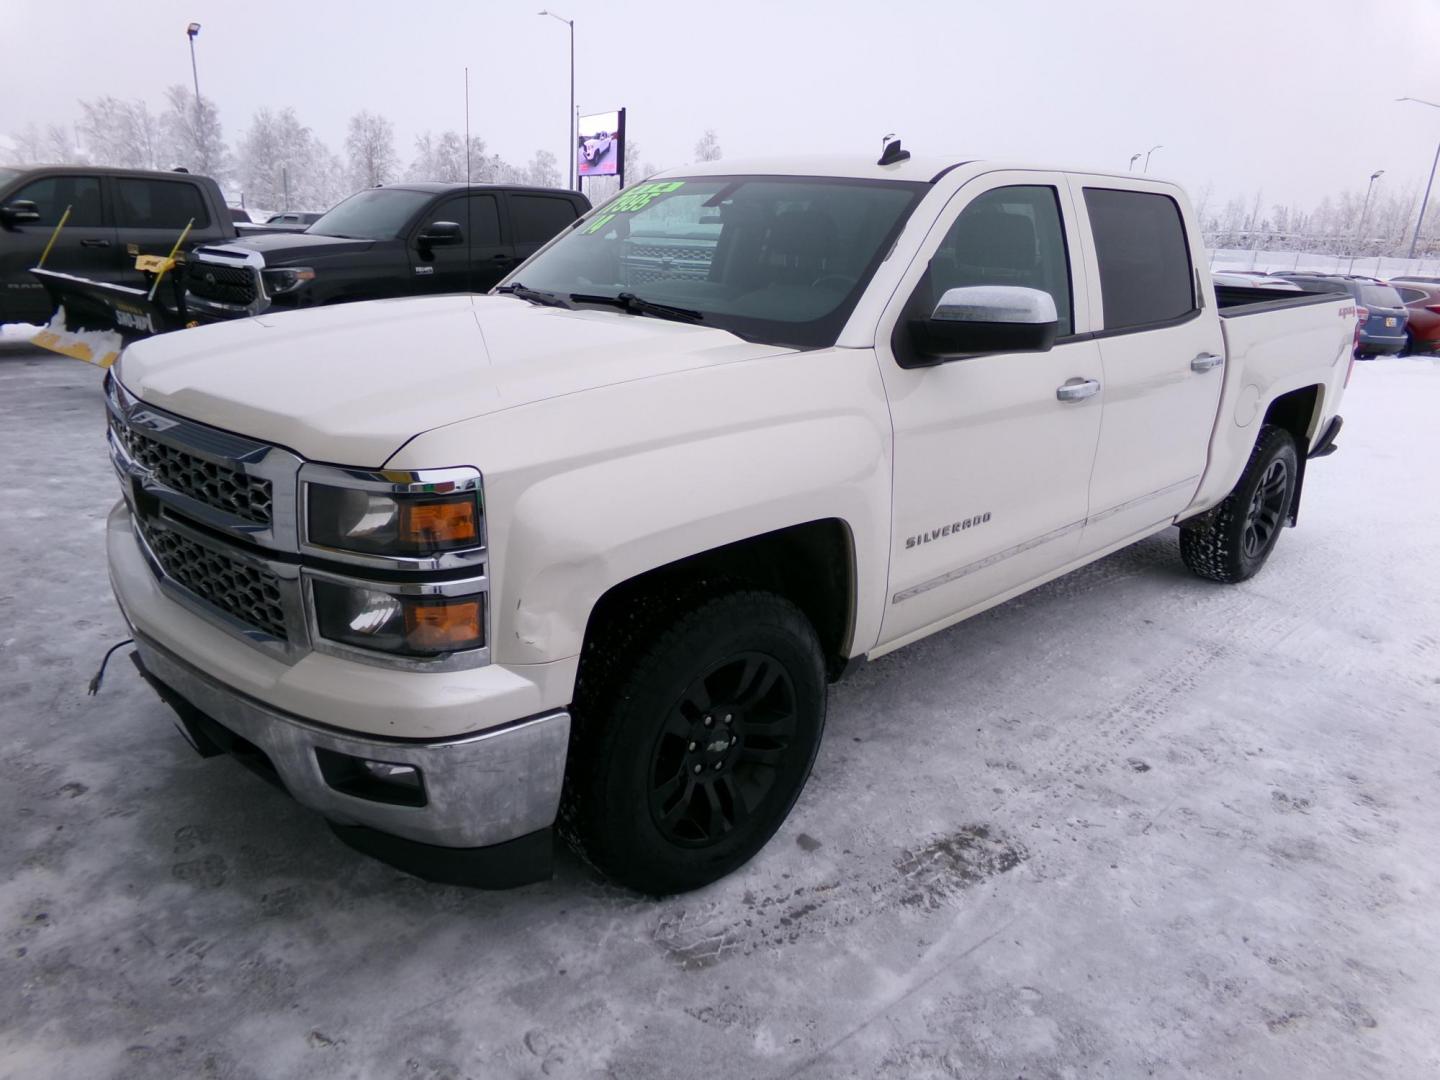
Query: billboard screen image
pixel 600 144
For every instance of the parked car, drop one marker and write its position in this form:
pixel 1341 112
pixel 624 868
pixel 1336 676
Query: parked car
pixel 586 552
pixel 294 217
pixel 1422 301
pixel 399 240
pixel 1380 313
pixel 110 210
pixel 1244 280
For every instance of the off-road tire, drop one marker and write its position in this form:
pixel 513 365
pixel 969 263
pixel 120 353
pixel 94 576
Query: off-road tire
pixel 636 685
pixel 1218 549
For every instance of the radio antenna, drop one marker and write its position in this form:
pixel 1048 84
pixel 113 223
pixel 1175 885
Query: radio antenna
pixel 469 233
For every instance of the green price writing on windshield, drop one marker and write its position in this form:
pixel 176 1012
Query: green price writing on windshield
pixel 632 199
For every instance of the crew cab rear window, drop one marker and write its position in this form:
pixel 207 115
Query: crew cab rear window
pixel 54 193
pixel 158 204
pixel 537 218
pixel 1145 271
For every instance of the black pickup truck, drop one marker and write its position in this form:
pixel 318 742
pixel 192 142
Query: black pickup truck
pixel 110 210
pixel 398 240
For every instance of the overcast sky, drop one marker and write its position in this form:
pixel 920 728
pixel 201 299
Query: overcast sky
pixel 1294 97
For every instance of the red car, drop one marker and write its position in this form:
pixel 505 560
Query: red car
pixel 1422 300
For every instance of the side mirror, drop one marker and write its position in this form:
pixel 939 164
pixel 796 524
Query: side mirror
pixel 440 234
pixel 988 319
pixel 22 212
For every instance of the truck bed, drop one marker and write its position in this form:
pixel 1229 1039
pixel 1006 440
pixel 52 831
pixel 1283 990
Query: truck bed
pixel 1233 300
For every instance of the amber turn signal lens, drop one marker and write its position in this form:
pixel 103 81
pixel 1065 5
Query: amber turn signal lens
pixel 438 627
pixel 439 524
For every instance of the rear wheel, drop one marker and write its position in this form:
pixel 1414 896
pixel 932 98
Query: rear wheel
pixel 1238 535
pixel 694 735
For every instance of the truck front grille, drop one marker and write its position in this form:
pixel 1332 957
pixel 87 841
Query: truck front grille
pixel 226 284
pixel 226 489
pixel 243 592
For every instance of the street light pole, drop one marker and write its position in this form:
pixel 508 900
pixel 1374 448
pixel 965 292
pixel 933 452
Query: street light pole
pixel 571 126
pixel 1424 202
pixel 1152 149
pixel 1365 206
pixel 192 32
pixel 1133 158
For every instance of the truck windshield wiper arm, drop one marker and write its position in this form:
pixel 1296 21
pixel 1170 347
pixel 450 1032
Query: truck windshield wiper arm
pixel 535 296
pixel 637 305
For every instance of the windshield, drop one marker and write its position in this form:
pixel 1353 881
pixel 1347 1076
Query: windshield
pixel 775 259
pixel 1380 296
pixel 374 214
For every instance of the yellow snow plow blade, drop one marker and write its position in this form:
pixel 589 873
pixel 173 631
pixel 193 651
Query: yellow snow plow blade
pixel 98 347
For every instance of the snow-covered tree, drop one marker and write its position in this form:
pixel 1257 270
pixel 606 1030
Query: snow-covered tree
pixel 370 149
pixel 60 146
pixel 121 133
pixel 708 148
pixel 543 170
pixel 29 146
pixel 192 136
pixel 282 164
pixel 442 158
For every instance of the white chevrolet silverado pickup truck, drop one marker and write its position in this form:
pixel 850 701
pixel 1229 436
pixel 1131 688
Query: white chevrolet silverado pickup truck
pixel 582 554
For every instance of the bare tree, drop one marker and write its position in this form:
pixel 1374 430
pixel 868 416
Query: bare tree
pixel 370 147
pixel 708 148
pixel 60 145
pixel 192 136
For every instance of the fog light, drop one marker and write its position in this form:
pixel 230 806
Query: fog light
pixel 377 781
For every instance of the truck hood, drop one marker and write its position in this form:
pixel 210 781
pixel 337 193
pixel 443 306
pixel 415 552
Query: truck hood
pixel 288 248
pixel 352 383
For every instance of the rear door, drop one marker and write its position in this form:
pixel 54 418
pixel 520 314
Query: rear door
pixel 85 247
pixel 536 218
pixel 481 259
pixel 152 213
pixel 992 468
pixel 1163 359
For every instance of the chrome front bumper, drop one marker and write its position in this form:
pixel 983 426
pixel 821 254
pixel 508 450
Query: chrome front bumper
pixel 480 790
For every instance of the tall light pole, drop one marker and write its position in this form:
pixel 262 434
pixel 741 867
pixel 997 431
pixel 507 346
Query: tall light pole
pixel 1152 149
pixel 572 151
pixel 1415 238
pixel 192 32
pixel 1365 206
pixel 1133 158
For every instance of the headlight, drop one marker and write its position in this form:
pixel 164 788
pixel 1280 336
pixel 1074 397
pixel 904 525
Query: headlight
pixel 381 523
pixel 405 625
pixel 283 279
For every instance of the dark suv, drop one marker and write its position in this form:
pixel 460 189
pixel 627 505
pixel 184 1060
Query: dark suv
pixel 400 240
pixel 110 209
pixel 1379 309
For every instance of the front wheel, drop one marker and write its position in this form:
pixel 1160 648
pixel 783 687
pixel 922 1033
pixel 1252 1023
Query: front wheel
pixel 685 761
pixel 1239 534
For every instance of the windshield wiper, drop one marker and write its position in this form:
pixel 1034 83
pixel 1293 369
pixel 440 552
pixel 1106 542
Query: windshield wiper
pixel 638 305
pixel 535 296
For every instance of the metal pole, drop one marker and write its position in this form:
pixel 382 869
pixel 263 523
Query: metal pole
pixel 1152 149
pixel 574 176
pixel 1424 202
pixel 195 72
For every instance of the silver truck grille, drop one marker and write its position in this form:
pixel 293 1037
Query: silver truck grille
pixel 216 485
pixel 245 593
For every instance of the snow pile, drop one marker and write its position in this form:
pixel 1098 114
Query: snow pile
pixel 18 331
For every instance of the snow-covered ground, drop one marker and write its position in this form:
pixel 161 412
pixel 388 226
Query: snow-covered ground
pixel 1132 824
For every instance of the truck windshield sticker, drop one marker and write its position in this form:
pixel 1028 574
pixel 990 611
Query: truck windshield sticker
pixel 632 199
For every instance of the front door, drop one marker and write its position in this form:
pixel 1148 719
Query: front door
pixel 85 247
pixel 992 468
pixel 475 264
pixel 1163 362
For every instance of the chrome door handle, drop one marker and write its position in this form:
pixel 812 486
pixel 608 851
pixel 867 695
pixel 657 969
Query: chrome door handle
pixel 1077 389
pixel 1205 361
